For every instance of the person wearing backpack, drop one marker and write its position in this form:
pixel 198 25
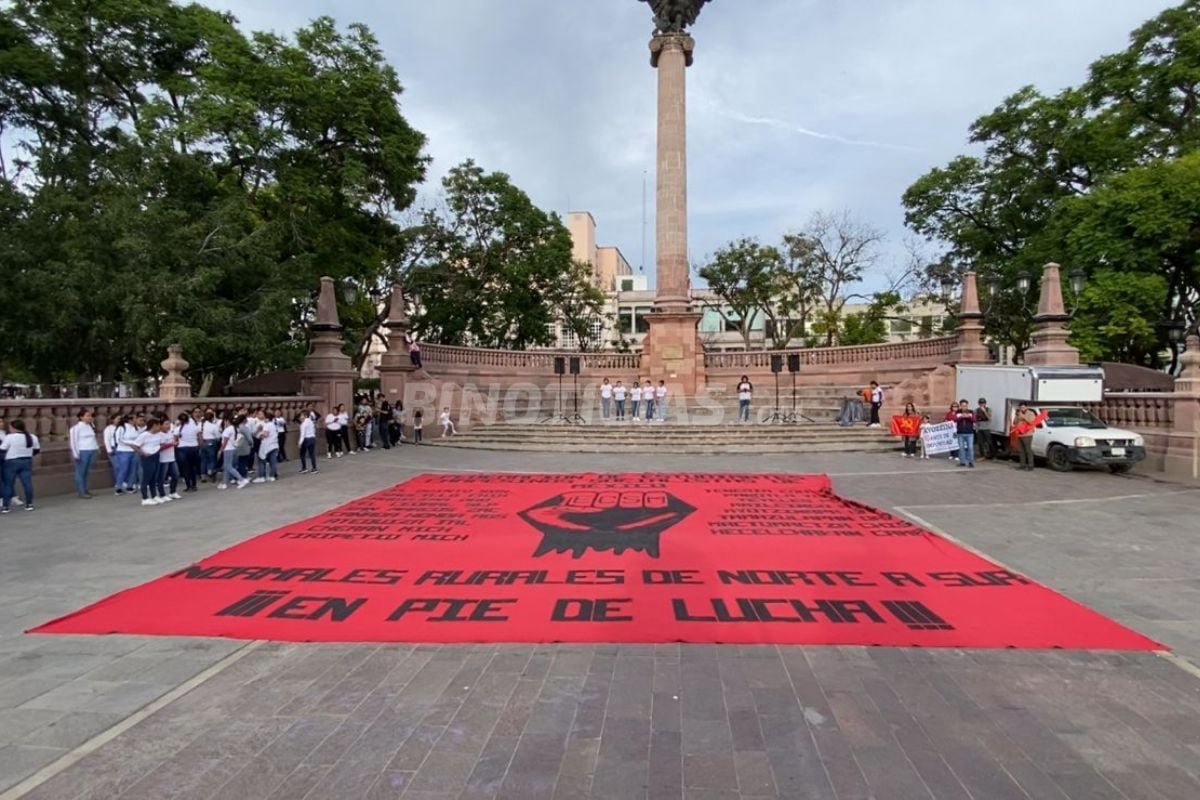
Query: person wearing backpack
pixel 18 448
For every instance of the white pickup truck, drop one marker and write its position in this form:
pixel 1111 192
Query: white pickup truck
pixel 1070 435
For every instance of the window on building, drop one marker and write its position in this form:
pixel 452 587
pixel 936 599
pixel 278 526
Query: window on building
pixel 625 321
pixel 597 328
pixel 627 285
pixel 642 323
pixel 902 326
pixel 927 326
pixel 710 321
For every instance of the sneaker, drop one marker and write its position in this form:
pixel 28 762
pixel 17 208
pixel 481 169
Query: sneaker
pixel 329 455
pixel 304 472
pixel 314 470
pixel 162 500
pixel 29 506
pixel 149 502
pixel 270 480
pixel 972 466
pixel 243 483
pixel 118 493
pixel 177 495
pixel 4 510
pixel 339 455
pixel 222 486
pixel 259 480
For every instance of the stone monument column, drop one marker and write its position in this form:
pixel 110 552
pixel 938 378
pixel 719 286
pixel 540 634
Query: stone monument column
pixel 1050 333
pixel 328 372
pixel 671 350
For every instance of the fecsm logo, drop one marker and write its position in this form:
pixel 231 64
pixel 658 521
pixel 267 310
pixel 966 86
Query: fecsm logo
pixel 574 522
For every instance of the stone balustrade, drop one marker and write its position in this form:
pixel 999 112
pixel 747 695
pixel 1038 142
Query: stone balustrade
pixel 1140 411
pixel 52 419
pixel 922 350
pixel 524 360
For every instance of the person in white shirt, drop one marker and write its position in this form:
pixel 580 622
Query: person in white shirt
pixel 168 467
pixel 308 443
pixel 447 423
pixel 110 447
pixel 210 435
pixel 139 427
pixel 344 421
pixel 745 391
pixel 147 445
pixel 619 396
pixel 635 398
pixel 84 448
pixel 660 401
pixel 648 400
pixel 187 451
pixel 606 393
pixel 268 449
pixel 282 429
pixel 126 458
pixel 876 403
pixel 18 448
pixel 229 438
pixel 333 434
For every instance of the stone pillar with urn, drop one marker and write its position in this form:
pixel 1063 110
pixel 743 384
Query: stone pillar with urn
pixel 1183 442
pixel 174 386
pixel 328 371
pixel 395 366
pixel 1050 348
pixel 672 351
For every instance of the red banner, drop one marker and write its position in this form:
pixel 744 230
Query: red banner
pixel 605 558
pixel 906 426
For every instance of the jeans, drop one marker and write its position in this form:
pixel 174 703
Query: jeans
pixel 168 477
pixel 910 445
pixel 661 407
pixel 875 415
pixel 620 409
pixel 232 473
pixel 744 410
pixel 82 465
pixel 636 405
pixel 966 449
pixel 416 435
pixel 308 453
pixel 605 407
pixel 1025 445
pixel 333 442
pixel 189 465
pixel 649 410
pixel 14 469
pixel 125 462
pixel 208 457
pixel 151 482
pixel 269 462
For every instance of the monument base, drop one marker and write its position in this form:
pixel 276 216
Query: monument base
pixel 1050 348
pixel 671 351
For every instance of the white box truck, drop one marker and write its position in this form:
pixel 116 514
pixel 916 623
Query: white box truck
pixel 1070 436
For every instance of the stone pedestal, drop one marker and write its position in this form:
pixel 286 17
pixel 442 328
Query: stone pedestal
pixel 970 349
pixel 395 367
pixel 672 352
pixel 1050 346
pixel 328 372
pixel 174 386
pixel 1183 443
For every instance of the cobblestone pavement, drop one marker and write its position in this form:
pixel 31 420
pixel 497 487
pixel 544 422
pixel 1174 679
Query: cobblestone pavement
pixel 142 717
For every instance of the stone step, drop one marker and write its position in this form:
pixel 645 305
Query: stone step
pixel 681 448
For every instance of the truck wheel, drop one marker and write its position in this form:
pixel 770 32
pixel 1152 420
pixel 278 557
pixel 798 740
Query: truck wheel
pixel 1056 458
pixel 1119 469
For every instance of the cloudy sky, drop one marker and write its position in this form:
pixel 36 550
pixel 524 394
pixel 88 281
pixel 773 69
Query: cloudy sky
pixel 795 106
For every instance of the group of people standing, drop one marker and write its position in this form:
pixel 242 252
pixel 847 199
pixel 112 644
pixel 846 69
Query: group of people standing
pixel 643 399
pixel 966 424
pixel 151 455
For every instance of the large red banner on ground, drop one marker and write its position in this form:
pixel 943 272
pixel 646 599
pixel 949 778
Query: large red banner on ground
pixel 605 558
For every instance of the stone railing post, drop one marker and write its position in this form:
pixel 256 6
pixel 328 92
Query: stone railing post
pixel 328 372
pixel 969 347
pixel 175 386
pixel 1050 333
pixel 1183 446
pixel 396 367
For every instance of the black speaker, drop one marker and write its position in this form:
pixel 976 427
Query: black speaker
pixel 560 365
pixel 793 362
pixel 574 365
pixel 777 364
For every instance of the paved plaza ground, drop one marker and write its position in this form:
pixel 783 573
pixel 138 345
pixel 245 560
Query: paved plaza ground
pixel 140 717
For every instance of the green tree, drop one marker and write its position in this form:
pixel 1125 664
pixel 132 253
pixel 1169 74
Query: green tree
pixel 578 304
pixel 176 180
pixel 499 271
pixel 1112 324
pixel 742 275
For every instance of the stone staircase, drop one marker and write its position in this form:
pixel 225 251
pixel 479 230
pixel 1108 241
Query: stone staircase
pixel 672 438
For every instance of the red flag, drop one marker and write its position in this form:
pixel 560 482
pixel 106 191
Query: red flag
pixel 1020 429
pixel 906 426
